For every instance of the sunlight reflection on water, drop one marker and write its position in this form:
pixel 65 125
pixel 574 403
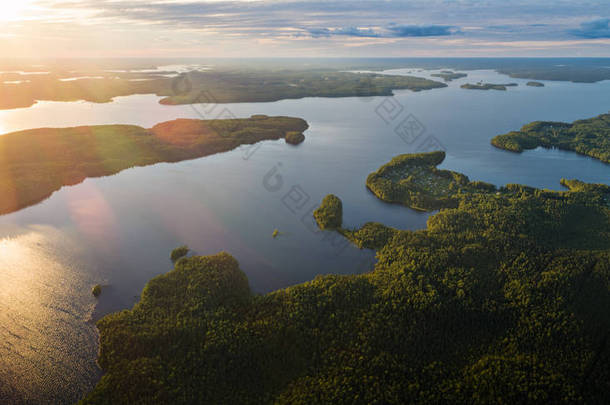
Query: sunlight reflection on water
pixel 42 302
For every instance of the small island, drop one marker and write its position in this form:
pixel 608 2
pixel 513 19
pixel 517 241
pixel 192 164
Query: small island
pixel 329 215
pixel 179 253
pixel 38 162
pixel 590 137
pixel 295 137
pixel 487 86
pixel 449 75
pixel 96 290
pixel 535 84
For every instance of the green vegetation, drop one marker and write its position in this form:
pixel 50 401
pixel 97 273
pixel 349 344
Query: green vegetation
pixel 502 299
pixel 372 235
pixel 179 253
pixel 35 163
pixel 448 75
pixel 577 185
pixel 548 70
pixel 535 84
pixel 96 290
pixel 413 180
pixel 229 85
pixel 330 213
pixel 589 137
pixel 487 86
pixel 266 81
pixel 295 137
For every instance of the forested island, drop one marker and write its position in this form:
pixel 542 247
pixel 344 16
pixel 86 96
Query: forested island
pixel 487 86
pixel 589 137
pixel 449 75
pixel 35 163
pixel 534 84
pixel 502 299
pixel 294 137
pixel 210 86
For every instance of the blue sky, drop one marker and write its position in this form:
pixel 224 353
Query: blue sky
pixel 112 28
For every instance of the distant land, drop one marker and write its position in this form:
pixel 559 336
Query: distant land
pixel 448 75
pixel 37 162
pixel 535 84
pixel 259 80
pixel 579 70
pixel 487 86
pixel 202 86
pixel 589 137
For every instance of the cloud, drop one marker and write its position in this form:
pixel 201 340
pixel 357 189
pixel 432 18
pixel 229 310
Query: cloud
pixel 402 31
pixel 347 31
pixel 314 27
pixel 390 31
pixel 593 29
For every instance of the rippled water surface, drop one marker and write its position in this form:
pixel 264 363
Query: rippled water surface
pixel 118 231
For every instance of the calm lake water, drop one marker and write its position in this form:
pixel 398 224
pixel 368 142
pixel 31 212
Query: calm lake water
pixel 118 231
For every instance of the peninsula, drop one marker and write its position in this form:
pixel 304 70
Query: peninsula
pixel 590 137
pixel 35 163
pixel 413 180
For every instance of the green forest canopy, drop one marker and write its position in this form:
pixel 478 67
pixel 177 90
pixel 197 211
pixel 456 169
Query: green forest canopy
pixel 589 137
pixel 502 299
pixel 413 180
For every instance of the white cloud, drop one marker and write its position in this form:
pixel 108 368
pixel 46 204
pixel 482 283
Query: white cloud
pixel 251 27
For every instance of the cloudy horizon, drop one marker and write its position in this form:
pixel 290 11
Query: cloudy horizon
pixel 263 28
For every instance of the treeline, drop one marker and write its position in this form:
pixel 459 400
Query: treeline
pixel 502 299
pixel 589 137
pixel 487 86
pixel 448 75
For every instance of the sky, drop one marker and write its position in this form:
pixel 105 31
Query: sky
pixel 292 28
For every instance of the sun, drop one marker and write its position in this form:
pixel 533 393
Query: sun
pixel 12 10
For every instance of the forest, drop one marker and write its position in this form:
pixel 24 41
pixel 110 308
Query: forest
pixel 590 137
pixel 487 86
pixel 413 180
pixel 329 215
pixel 35 163
pixel 502 299
pixel 229 85
pixel 448 75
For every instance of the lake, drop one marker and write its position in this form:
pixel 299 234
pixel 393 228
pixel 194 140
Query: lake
pixel 118 231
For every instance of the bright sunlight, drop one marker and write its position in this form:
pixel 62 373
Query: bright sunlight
pixel 13 10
